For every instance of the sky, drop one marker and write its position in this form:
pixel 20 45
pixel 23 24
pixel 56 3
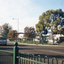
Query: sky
pixel 25 12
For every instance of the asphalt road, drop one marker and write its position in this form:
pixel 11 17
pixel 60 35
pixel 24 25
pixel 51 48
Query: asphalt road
pixel 42 50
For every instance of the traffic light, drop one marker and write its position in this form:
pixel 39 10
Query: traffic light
pixel 33 35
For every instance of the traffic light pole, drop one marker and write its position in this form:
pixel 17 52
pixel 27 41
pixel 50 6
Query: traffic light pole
pixel 45 32
pixel 52 36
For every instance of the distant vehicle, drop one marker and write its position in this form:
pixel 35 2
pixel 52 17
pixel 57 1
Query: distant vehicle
pixel 3 41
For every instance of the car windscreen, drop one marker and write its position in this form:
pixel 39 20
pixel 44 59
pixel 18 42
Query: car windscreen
pixel 1 38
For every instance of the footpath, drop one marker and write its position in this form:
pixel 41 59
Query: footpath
pixel 61 44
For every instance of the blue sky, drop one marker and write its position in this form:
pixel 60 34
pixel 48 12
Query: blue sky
pixel 27 11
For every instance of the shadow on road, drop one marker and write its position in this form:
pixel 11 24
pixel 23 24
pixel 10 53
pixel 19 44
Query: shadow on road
pixel 49 56
pixel 14 45
pixel 43 55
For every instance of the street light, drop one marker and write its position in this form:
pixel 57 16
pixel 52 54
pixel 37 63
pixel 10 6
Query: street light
pixel 17 24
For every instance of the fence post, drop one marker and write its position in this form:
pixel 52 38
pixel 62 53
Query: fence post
pixel 46 58
pixel 62 61
pixel 15 54
pixel 34 58
pixel 54 59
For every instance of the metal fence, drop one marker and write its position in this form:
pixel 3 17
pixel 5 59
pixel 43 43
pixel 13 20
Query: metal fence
pixel 28 61
pixel 14 57
pixel 38 58
pixel 5 57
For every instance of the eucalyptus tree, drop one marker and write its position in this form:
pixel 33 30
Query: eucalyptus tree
pixel 50 18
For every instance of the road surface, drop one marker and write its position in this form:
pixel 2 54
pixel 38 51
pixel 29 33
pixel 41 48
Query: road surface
pixel 42 50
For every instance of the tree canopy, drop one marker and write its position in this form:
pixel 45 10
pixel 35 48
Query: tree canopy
pixel 29 32
pixel 50 18
pixel 12 34
pixel 6 28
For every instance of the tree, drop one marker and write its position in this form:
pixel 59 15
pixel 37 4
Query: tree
pixel 6 28
pixel 13 34
pixel 50 18
pixel 29 32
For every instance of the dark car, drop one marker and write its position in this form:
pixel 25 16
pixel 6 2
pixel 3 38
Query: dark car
pixel 3 41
